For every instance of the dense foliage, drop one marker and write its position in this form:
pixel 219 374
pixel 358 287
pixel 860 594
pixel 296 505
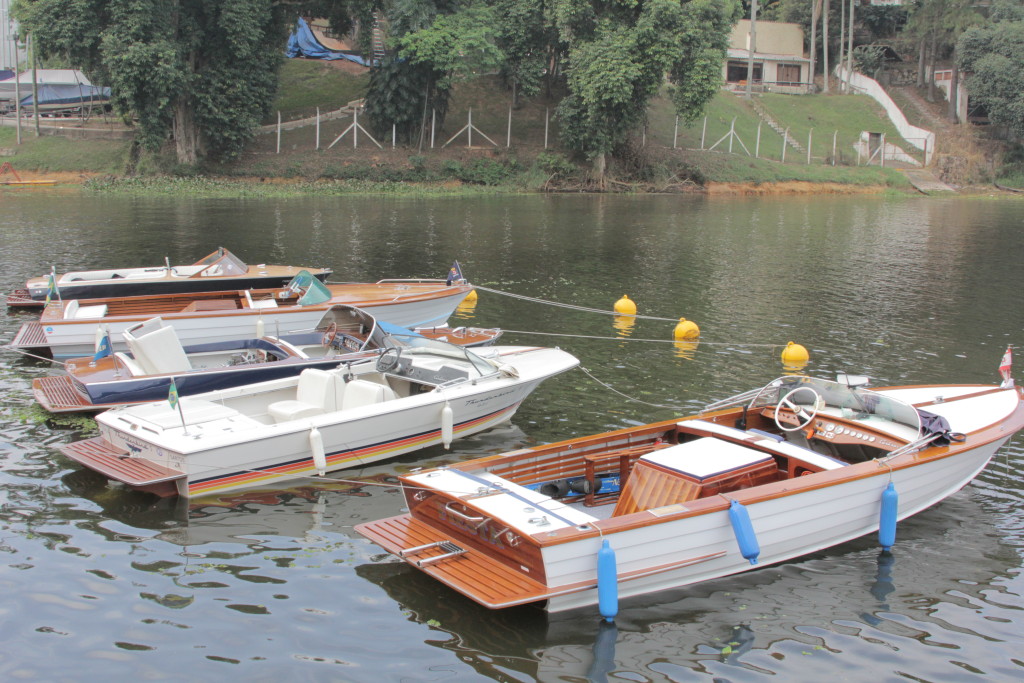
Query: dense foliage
pixel 202 73
pixel 993 56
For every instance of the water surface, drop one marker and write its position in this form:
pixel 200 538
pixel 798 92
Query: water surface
pixel 274 584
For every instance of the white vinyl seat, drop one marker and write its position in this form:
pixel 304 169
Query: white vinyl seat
pixel 75 311
pixel 317 392
pixel 359 392
pixel 129 363
pixel 260 303
pixel 159 352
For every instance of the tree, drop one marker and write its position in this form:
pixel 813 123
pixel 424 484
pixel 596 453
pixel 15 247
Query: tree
pixel 200 72
pixel 525 37
pixel 620 52
pixel 993 58
pixel 430 60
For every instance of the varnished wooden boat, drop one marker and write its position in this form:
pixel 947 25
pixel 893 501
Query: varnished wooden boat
pixel 796 467
pixel 156 358
pixel 416 393
pixel 69 328
pixel 217 271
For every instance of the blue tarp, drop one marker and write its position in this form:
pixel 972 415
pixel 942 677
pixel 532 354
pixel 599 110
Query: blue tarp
pixel 302 43
pixel 5 74
pixel 67 95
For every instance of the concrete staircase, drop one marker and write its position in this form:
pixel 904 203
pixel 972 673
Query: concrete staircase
pixel 763 114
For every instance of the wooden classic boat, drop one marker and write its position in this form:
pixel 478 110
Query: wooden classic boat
pixel 70 328
pixel 156 357
pixel 218 271
pixel 797 466
pixel 415 392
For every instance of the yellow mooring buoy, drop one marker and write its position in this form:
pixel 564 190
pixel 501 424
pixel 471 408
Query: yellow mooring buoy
pixel 686 329
pixel 472 296
pixel 625 306
pixel 795 354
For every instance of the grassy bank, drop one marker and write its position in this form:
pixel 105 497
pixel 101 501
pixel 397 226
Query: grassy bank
pixel 513 151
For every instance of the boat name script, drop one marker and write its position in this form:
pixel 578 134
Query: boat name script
pixel 488 399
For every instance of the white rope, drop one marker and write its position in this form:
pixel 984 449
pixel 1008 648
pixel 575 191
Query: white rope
pixel 570 306
pixel 32 355
pixel 616 391
pixel 656 341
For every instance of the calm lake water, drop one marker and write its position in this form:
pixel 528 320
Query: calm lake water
pixel 274 584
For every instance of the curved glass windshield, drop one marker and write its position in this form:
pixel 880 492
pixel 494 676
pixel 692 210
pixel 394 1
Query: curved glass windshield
pixel 419 350
pixel 859 401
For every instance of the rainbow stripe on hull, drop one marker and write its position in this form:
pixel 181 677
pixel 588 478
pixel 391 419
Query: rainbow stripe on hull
pixel 341 459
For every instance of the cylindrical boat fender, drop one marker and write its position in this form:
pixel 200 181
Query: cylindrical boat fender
pixel 887 518
pixel 259 326
pixel 316 445
pixel 447 425
pixel 744 530
pixel 607 582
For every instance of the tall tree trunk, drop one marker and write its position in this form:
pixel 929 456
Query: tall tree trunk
pixel 931 71
pixel 954 88
pixel 598 171
pixel 921 51
pixel 186 133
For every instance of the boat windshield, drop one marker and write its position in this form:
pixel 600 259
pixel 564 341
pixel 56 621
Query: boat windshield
pixel 857 401
pixel 223 263
pixel 421 351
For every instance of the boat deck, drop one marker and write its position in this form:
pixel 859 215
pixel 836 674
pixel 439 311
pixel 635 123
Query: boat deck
pixel 99 455
pixel 57 394
pixel 30 336
pixel 20 298
pixel 483 578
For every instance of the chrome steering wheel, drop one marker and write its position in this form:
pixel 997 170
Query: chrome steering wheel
pixel 803 415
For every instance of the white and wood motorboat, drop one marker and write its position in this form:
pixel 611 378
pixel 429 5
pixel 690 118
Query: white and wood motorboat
pixel 70 328
pixel 218 271
pixel 793 468
pixel 415 392
pixel 156 357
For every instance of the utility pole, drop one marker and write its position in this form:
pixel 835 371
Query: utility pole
pixel 751 44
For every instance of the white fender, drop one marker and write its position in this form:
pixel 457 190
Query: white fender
pixel 316 445
pixel 447 425
pixel 259 326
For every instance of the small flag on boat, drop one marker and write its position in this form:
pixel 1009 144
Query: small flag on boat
pixel 52 290
pixel 454 274
pixel 1006 366
pixel 103 346
pixel 172 395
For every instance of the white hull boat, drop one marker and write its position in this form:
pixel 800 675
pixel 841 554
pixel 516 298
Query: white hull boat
pixel 71 328
pixel 220 270
pixel 416 393
pixel 796 467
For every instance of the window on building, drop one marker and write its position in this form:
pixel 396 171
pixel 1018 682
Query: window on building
pixel 736 71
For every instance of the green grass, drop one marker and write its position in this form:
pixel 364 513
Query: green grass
pixel 55 153
pixel 308 84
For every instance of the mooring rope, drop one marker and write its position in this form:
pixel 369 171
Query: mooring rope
pixel 616 391
pixel 585 309
pixel 569 306
pixel 32 355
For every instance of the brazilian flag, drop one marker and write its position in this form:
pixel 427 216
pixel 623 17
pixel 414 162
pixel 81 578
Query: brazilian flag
pixel 172 395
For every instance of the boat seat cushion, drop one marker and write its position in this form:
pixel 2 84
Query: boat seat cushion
pixel 75 311
pixel 129 363
pixel 160 352
pixel 360 392
pixel 317 392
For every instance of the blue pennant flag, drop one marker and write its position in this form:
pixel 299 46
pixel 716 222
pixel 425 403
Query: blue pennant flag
pixel 103 346
pixel 454 274
pixel 172 395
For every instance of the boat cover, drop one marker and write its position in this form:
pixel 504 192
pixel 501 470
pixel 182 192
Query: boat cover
pixel 302 43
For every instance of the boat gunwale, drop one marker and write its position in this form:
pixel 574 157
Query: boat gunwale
pixel 757 494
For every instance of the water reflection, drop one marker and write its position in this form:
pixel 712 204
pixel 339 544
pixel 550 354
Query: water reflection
pixel 274 582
